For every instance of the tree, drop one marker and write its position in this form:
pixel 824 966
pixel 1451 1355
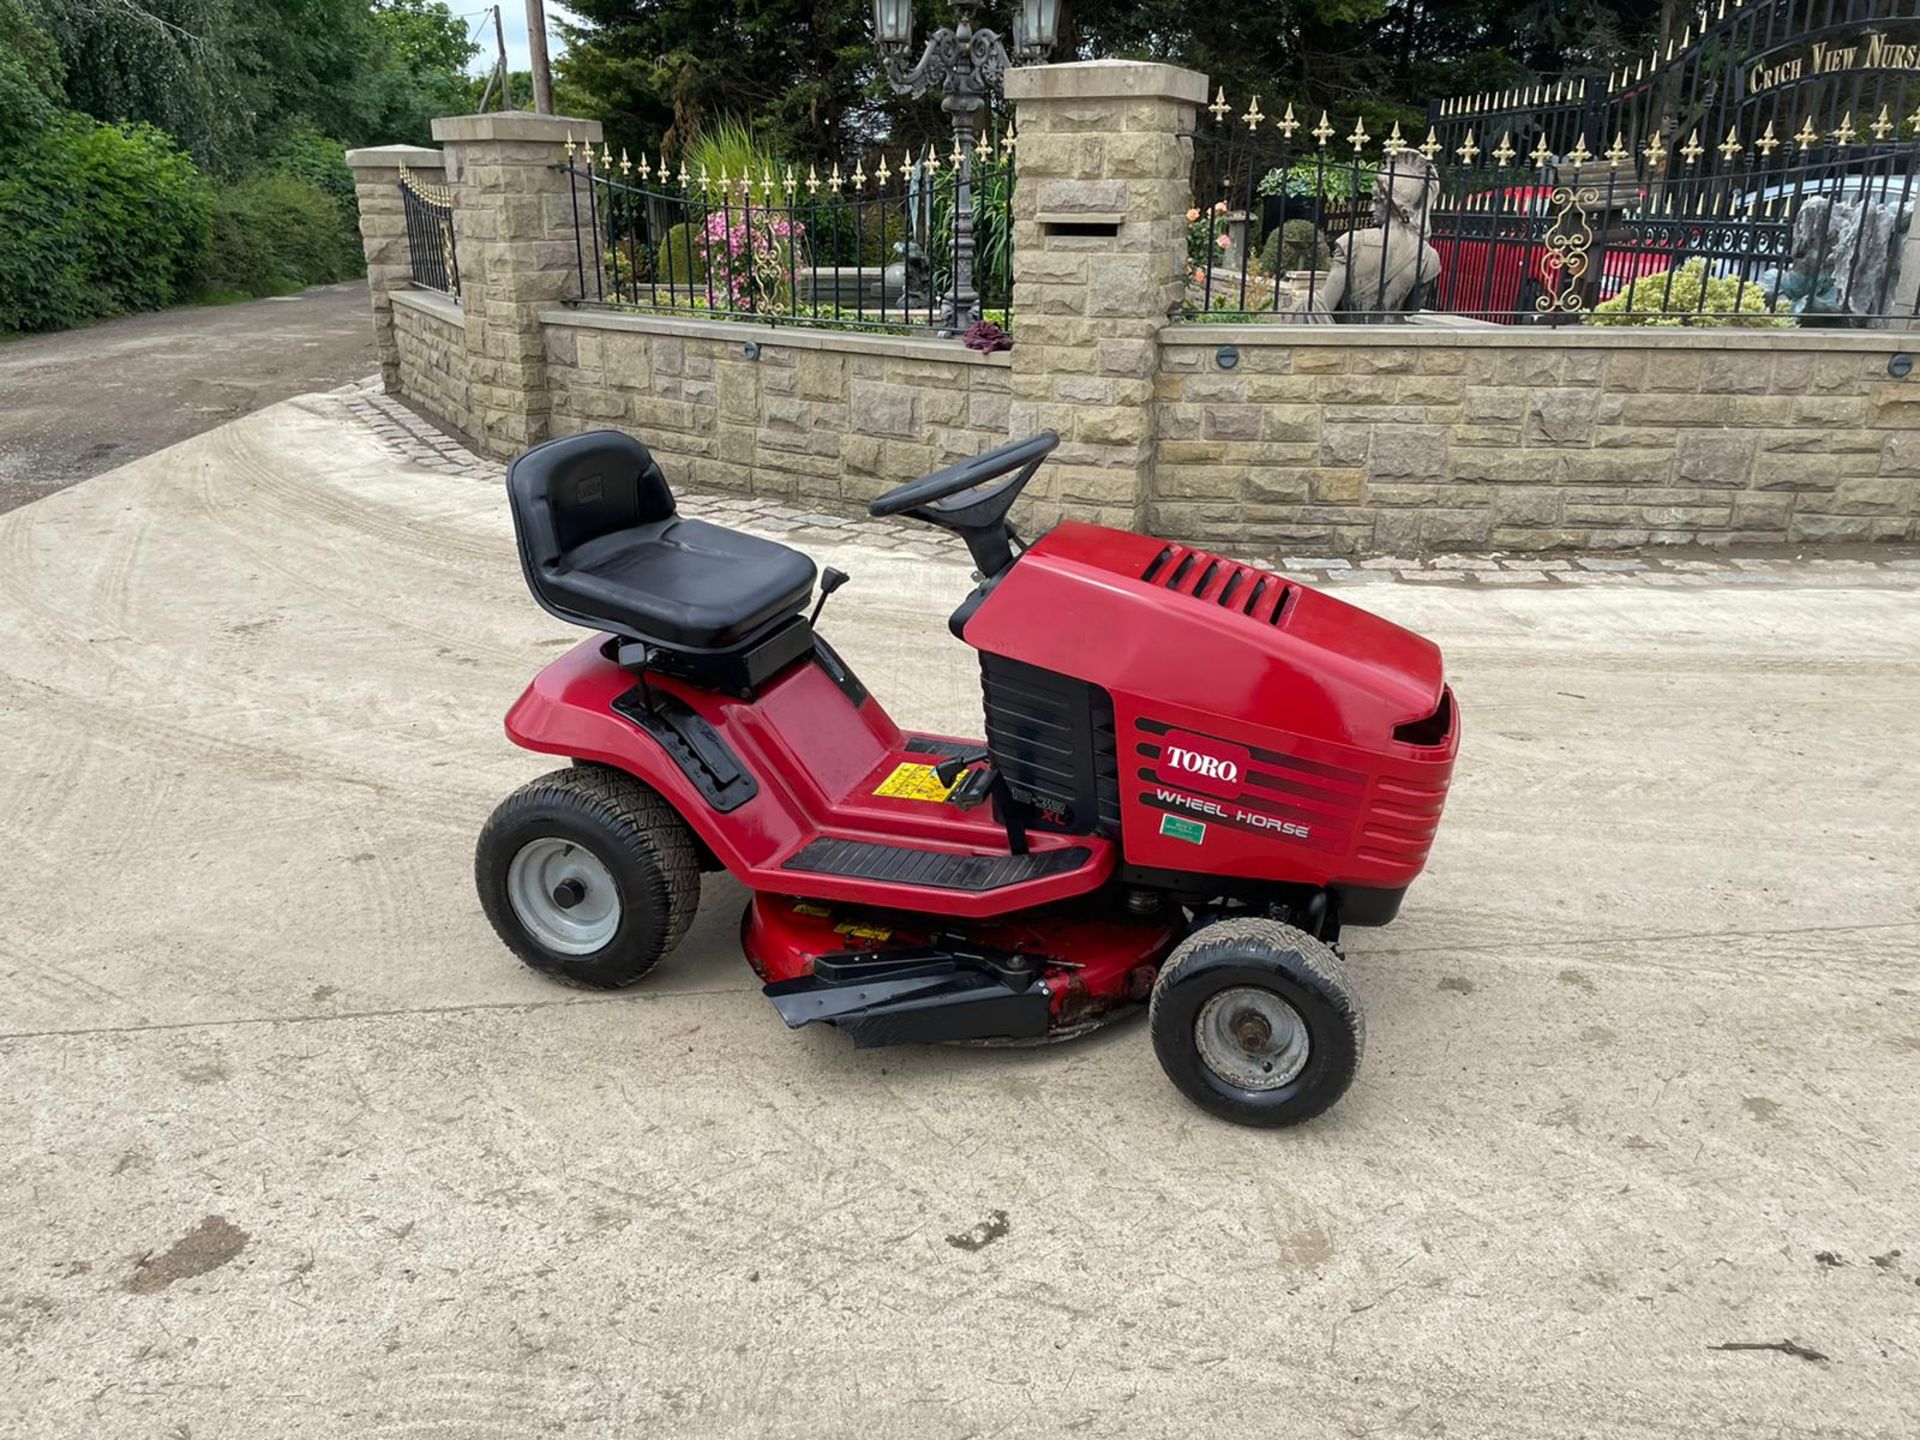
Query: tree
pixel 231 78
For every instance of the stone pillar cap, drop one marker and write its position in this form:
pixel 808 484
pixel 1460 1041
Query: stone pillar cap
pixel 414 157
pixel 1098 80
pixel 515 125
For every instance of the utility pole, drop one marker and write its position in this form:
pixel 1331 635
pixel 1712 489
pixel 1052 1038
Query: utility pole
pixel 506 75
pixel 537 57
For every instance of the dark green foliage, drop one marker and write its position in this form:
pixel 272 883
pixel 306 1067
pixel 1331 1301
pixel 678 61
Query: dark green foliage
pixel 104 214
pixel 1297 245
pixel 97 219
pixel 30 93
pixel 230 78
pixel 683 258
pixel 322 163
pixel 275 233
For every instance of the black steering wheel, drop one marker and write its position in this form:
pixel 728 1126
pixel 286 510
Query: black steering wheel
pixel 972 498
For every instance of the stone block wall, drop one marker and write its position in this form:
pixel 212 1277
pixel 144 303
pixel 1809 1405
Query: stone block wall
pixel 1405 440
pixel 1296 439
pixel 430 341
pixel 824 417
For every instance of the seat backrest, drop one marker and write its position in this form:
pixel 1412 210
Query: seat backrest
pixel 580 487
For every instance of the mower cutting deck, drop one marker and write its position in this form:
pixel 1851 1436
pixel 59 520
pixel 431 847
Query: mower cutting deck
pixel 1187 812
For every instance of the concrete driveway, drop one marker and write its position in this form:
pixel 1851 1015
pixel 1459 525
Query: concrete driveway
pixel 290 1147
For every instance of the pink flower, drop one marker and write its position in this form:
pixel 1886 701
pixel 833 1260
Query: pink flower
pixel 1223 242
pixel 1192 215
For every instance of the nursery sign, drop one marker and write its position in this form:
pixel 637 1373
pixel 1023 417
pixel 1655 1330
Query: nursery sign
pixel 1874 50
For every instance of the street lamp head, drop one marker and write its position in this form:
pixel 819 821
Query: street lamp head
pixel 893 23
pixel 1038 26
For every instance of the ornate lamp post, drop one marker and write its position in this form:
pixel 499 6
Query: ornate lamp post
pixel 967 65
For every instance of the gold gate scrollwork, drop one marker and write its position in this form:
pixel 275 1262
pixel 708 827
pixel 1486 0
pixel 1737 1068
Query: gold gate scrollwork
pixel 1568 242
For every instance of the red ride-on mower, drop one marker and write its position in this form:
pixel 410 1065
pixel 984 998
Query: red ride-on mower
pixel 1195 773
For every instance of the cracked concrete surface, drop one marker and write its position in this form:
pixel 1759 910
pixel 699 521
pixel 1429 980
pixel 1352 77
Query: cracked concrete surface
pixel 289 1146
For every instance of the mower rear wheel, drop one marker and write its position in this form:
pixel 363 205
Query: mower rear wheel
pixel 1257 1022
pixel 588 875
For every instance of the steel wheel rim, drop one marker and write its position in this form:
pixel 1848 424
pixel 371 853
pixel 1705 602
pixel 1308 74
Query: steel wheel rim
pixel 564 896
pixel 1251 1038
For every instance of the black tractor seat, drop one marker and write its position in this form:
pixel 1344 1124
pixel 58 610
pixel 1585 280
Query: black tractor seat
pixel 602 546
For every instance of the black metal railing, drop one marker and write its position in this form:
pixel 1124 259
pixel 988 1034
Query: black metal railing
pixel 431 254
pixel 1293 222
pixel 868 245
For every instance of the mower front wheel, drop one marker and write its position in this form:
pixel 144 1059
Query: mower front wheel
pixel 588 876
pixel 1257 1022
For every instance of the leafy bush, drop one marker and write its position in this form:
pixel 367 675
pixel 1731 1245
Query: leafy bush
pixel 683 255
pixel 30 72
pixel 1297 245
pixel 1673 297
pixel 273 233
pixel 1304 179
pixel 1207 238
pixel 94 220
pixel 322 162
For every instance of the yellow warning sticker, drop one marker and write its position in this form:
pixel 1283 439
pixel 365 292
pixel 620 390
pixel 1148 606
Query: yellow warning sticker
pixel 914 782
pixel 819 912
pixel 861 931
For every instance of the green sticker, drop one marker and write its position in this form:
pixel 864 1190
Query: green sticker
pixel 1191 831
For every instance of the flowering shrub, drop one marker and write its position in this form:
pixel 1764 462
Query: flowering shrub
pixel 751 260
pixel 985 336
pixel 1674 298
pixel 1206 230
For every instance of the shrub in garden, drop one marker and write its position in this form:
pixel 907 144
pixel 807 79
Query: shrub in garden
pixel 94 220
pixel 683 255
pixel 1676 296
pixel 1297 245
pixel 1207 237
pixel 749 259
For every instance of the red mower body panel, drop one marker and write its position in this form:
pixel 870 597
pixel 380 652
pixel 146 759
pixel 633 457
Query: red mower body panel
pixel 1263 730
pixel 821 768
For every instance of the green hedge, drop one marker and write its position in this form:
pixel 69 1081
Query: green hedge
pixel 97 220
pixel 94 220
pixel 275 233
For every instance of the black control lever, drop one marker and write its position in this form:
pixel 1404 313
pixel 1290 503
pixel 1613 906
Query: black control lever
pixel 830 581
pixel 948 770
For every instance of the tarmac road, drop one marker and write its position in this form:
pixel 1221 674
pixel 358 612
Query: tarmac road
pixel 290 1147
pixel 79 402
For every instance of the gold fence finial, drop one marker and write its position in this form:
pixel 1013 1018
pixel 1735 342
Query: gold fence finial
pixel 1882 124
pixel 1768 142
pixel 1288 124
pixel 1431 146
pixel 1731 147
pixel 1844 132
pixel 1220 107
pixel 1358 139
pixel 1253 117
pixel 1504 151
pixel 1467 149
pixel 1324 130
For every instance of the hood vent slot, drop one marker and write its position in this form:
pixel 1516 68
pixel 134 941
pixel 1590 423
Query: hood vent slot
pixel 1258 594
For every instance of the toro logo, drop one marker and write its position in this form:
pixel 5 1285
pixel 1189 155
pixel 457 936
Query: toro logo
pixel 1199 762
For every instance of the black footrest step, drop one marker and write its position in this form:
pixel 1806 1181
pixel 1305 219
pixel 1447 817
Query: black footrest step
pixel 903 865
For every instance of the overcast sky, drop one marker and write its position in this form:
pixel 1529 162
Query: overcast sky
pixel 513 20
